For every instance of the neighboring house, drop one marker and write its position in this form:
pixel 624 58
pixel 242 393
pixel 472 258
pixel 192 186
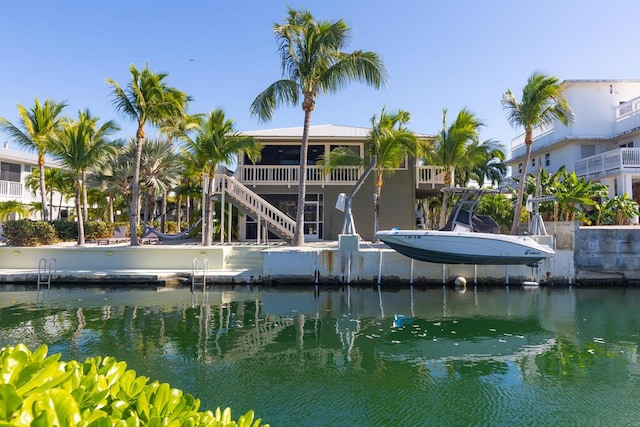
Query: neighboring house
pixel 602 145
pixel 15 169
pixel 275 179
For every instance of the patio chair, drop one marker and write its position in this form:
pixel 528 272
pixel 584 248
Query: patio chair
pixel 119 236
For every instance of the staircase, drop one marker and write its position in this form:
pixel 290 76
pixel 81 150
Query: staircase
pixel 255 206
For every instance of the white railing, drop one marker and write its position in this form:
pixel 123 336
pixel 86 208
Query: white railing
pixel 10 188
pixel 538 132
pixel 289 175
pixel 279 221
pixel 628 108
pixel 430 175
pixel 618 160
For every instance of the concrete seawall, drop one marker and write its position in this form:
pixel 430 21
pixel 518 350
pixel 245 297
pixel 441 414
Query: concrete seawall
pixel 584 256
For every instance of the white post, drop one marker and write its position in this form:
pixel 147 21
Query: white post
pixel 230 206
pixel 222 217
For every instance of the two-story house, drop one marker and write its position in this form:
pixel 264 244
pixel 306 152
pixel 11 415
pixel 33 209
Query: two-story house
pixel 15 169
pixel 275 179
pixel 603 144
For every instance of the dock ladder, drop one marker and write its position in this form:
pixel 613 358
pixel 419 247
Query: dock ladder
pixel 45 270
pixel 199 275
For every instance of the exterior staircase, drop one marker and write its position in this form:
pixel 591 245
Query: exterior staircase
pixel 255 206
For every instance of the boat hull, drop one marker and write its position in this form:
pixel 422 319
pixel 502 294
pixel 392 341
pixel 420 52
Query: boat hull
pixel 450 247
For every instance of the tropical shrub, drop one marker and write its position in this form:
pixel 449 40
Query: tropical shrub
pixel 24 232
pixel 41 390
pixel 98 230
pixel 66 230
pixel 617 210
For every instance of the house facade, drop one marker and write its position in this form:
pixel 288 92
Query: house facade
pixel 15 170
pixel 275 179
pixel 602 145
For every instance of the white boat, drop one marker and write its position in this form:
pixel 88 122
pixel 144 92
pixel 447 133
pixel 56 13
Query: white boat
pixel 465 239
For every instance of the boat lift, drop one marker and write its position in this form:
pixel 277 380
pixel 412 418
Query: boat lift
pixel 343 204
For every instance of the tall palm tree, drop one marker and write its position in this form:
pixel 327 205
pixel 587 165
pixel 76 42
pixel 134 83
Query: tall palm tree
pixel 542 102
pixel 57 181
pixel 80 144
pixel 147 98
pixel 216 142
pixel 389 142
pixel 314 62
pixel 451 146
pixel 114 175
pixel 35 129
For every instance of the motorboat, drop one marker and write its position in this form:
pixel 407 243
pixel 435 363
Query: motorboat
pixel 467 238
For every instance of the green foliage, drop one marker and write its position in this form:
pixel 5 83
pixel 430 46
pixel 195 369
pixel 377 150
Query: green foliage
pixel 40 390
pixel 66 230
pixel 99 230
pixel 24 232
pixel 618 210
pixel 500 208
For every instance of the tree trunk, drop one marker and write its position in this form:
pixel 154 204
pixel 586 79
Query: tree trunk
pixel 85 204
pixel 528 140
pixel 298 234
pixel 135 189
pixel 208 209
pixel 179 213
pixel 43 191
pixel 163 210
pixel 111 216
pixel 79 214
pixel 376 206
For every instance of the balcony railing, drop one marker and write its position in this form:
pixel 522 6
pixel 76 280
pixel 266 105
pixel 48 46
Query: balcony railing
pixel 614 161
pixel 10 189
pixel 254 175
pixel 430 175
pixel 290 175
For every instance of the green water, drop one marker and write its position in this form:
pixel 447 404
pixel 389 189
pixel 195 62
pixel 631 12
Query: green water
pixel 361 356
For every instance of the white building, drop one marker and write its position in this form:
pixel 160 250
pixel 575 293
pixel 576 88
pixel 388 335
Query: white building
pixel 603 144
pixel 15 169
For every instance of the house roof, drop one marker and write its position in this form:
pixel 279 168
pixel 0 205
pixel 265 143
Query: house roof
pixel 315 131
pixel 23 157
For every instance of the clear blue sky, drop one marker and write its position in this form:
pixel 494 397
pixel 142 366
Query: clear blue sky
pixel 454 54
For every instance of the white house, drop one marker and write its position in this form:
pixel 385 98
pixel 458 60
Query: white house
pixel 603 144
pixel 15 169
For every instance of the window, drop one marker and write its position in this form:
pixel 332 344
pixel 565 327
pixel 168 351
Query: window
pixel 520 168
pixel 587 151
pixel 547 159
pixel 9 172
pixel 533 162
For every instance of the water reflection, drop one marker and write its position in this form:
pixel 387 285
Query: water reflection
pixel 354 354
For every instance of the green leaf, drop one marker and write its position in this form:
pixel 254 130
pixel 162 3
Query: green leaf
pixel 10 401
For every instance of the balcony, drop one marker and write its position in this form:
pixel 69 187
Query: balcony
pixel 255 175
pixel 620 160
pixel 10 189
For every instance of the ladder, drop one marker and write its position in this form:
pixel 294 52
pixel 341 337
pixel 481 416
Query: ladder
pixel 45 270
pixel 199 275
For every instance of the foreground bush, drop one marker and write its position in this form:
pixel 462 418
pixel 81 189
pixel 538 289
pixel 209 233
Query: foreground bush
pixel 39 390
pixel 24 232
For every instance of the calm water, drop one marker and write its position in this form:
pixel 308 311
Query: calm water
pixel 361 356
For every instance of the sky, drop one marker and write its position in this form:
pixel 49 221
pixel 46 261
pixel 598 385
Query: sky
pixel 438 54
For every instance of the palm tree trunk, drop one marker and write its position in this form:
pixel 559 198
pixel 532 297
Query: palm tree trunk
pixel 163 209
pixel 518 209
pixel 179 213
pixel 111 216
pixel 135 189
pixel 298 234
pixel 43 192
pixel 376 206
pixel 208 208
pixel 79 214
pixel 85 204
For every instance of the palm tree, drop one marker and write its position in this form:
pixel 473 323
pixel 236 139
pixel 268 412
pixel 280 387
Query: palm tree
pixel 542 103
pixel 114 175
pixel 9 207
pixel 56 180
pixel 314 62
pixel 35 129
pixel 450 149
pixel 389 142
pixel 147 98
pixel 216 142
pixel 80 145
pixel 484 160
pixel 159 168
